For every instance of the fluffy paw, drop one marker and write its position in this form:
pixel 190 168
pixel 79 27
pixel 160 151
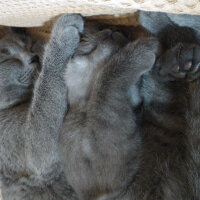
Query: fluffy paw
pixel 69 20
pixel 66 30
pixel 180 62
pixel 145 52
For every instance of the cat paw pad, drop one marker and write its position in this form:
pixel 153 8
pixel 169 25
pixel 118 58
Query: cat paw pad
pixel 180 62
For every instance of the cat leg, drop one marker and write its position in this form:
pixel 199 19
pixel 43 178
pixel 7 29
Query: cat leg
pixel 185 67
pixel 49 102
pixel 165 98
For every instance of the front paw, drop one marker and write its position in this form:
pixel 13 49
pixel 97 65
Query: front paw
pixel 180 62
pixel 66 20
pixel 66 30
pixel 145 51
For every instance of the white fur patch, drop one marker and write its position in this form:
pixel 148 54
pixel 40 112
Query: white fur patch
pixel 86 147
pixel 77 77
pixel 79 72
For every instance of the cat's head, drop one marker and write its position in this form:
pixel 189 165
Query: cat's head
pixel 18 66
pixel 99 44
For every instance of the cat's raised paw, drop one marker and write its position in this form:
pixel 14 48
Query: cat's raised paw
pixel 180 62
pixel 66 33
pixel 70 20
pixel 68 25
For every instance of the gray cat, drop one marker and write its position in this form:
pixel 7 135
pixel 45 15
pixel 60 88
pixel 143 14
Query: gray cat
pixel 164 93
pixel 110 151
pixel 169 117
pixel 100 145
pixel 30 119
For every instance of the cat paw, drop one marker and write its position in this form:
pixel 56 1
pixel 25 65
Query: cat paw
pixel 66 31
pixel 180 62
pixel 66 20
pixel 146 51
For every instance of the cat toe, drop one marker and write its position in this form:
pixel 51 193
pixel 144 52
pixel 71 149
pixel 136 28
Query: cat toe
pixel 184 71
pixel 188 66
pixel 175 68
pixel 194 73
pixel 190 61
pixel 176 72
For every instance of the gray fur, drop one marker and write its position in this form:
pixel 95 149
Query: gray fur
pixel 163 172
pixel 193 138
pixel 30 126
pixel 169 117
pixel 105 154
pixel 29 163
pixel 99 142
pixel 154 22
pixel 172 28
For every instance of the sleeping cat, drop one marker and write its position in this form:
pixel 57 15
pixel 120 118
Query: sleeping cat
pixel 183 28
pixel 164 92
pixel 100 141
pixel 169 118
pixel 19 69
pixel 100 144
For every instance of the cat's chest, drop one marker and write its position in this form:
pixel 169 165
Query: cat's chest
pixel 77 77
